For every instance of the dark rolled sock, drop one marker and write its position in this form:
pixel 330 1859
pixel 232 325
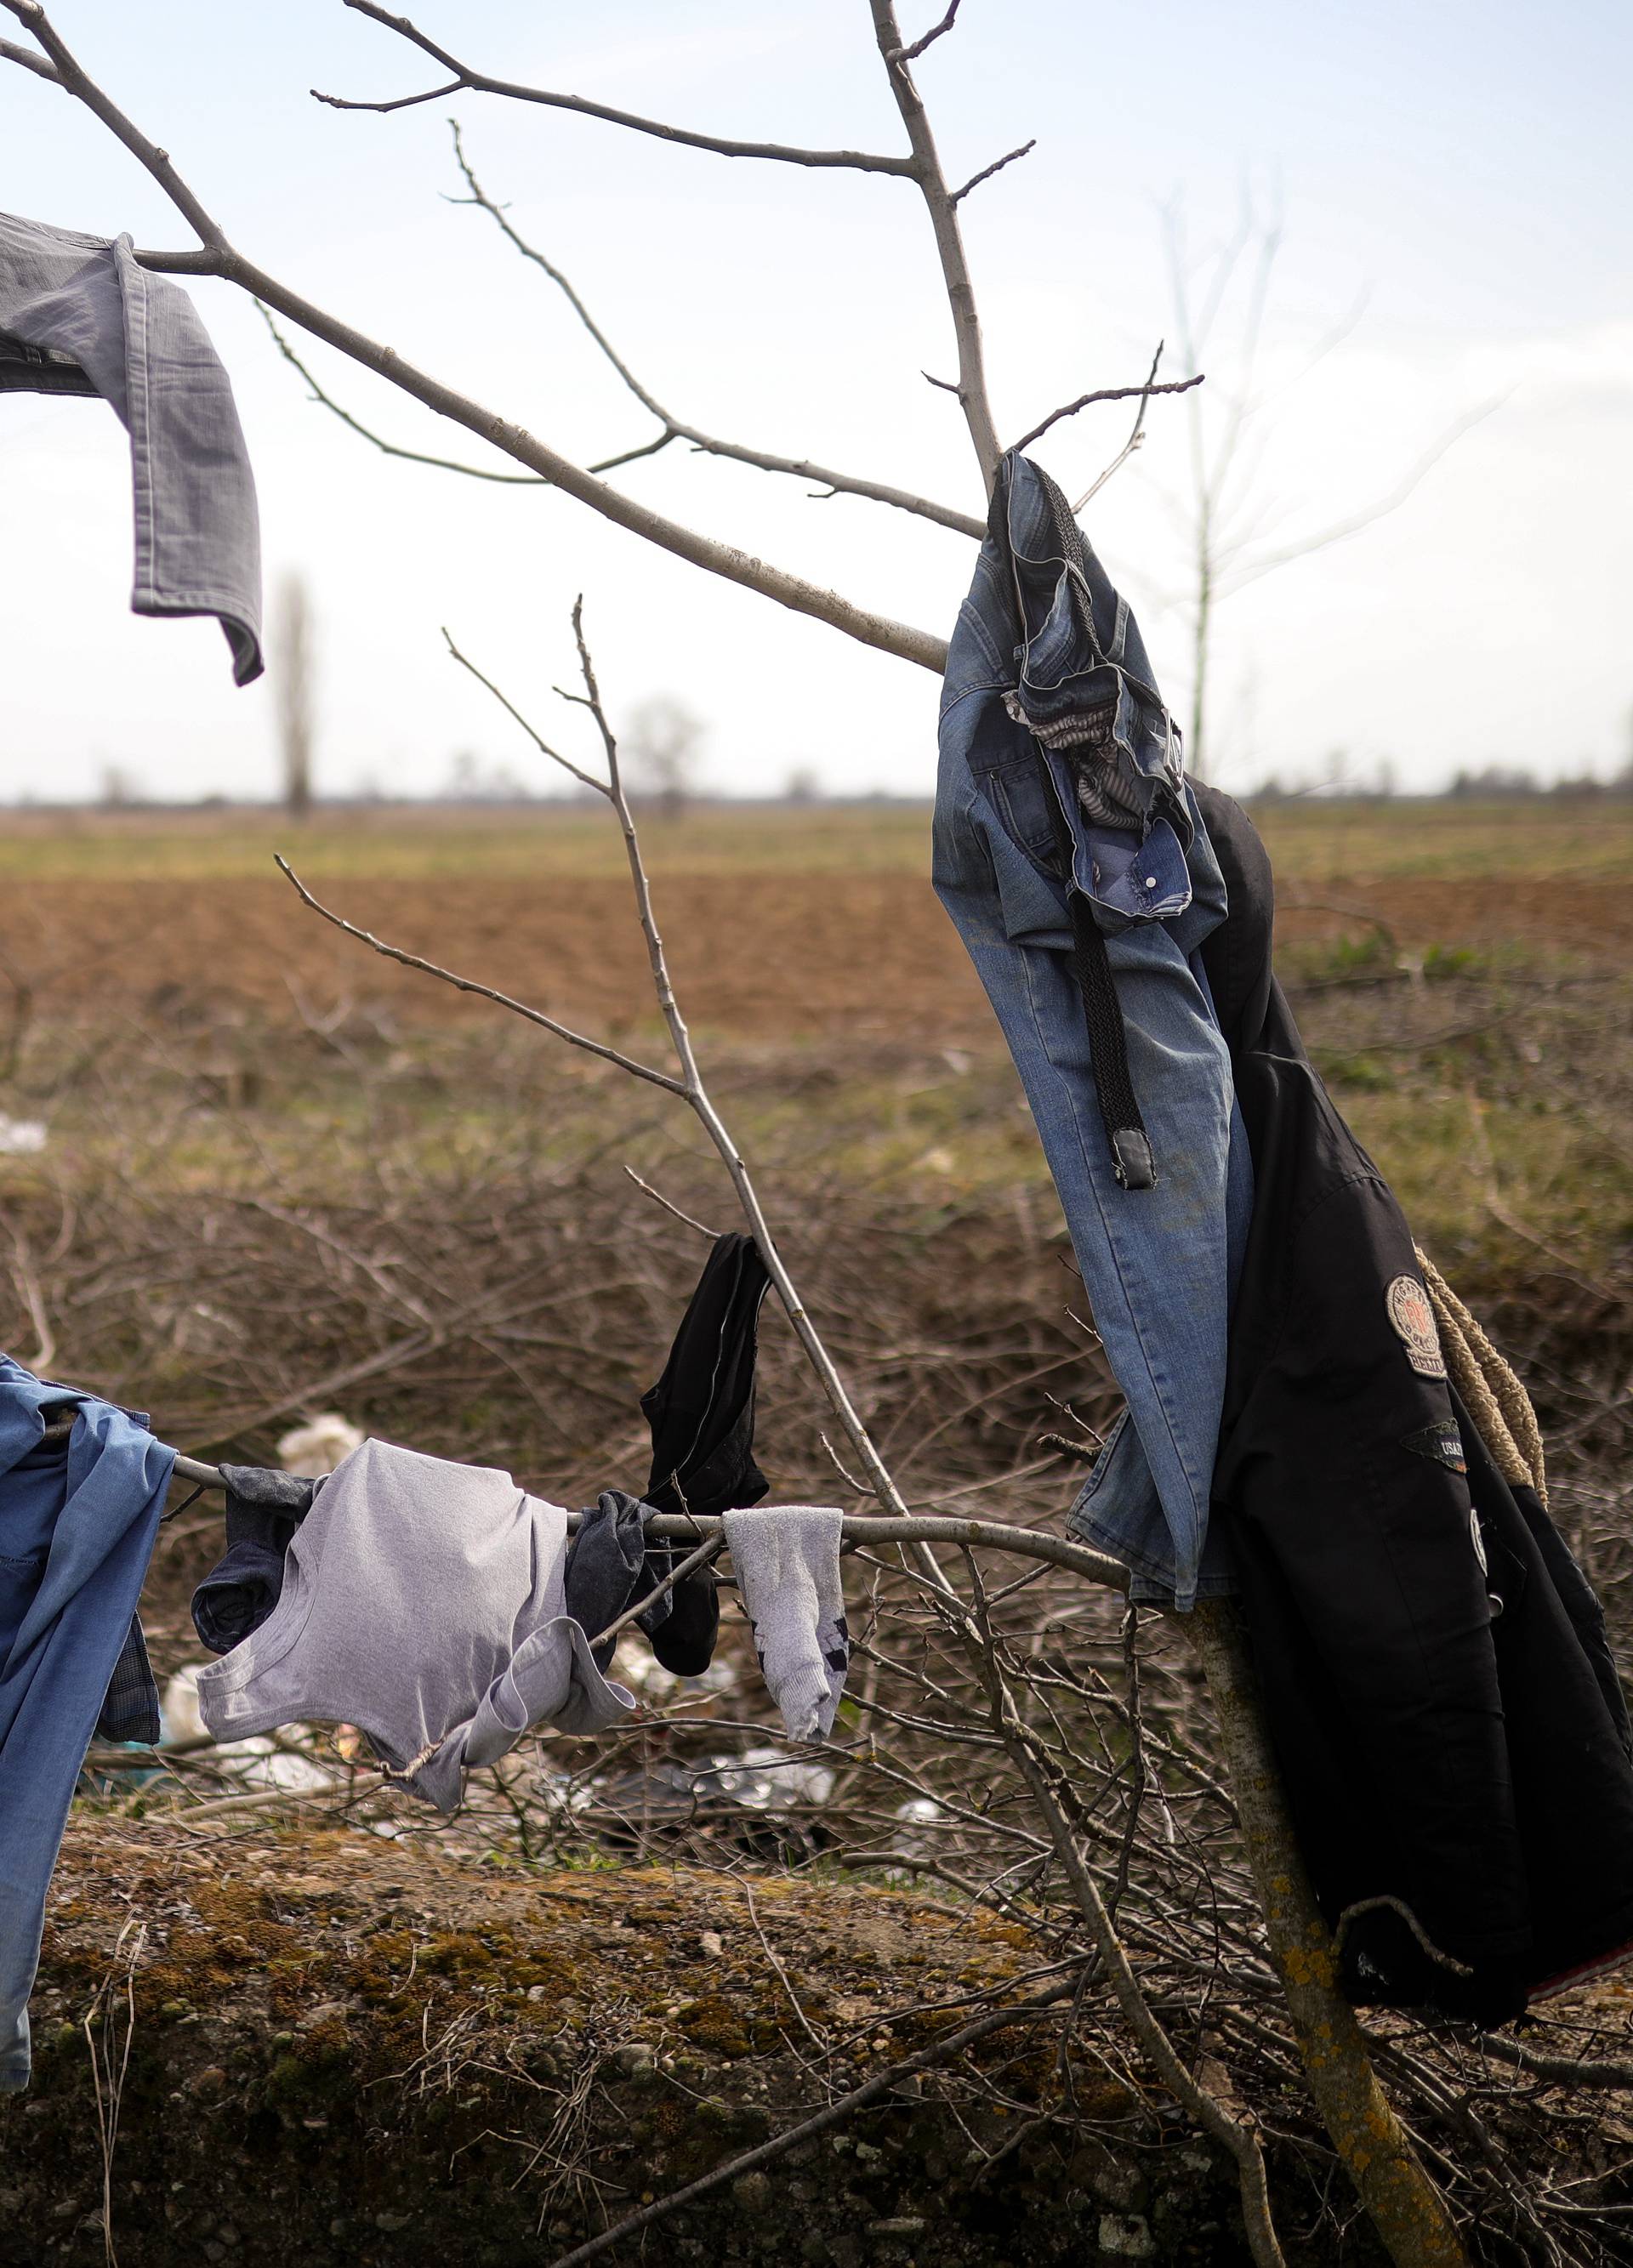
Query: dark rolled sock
pixel 263 1510
pixel 684 1644
pixel 606 1565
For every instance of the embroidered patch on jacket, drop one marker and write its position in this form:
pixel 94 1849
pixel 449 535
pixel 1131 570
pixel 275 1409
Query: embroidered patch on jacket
pixel 1442 1444
pixel 1414 1322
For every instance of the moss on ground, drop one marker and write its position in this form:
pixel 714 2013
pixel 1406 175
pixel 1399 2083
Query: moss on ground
pixel 333 2048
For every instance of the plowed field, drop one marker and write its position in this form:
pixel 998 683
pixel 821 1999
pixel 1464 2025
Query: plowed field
pixel 768 954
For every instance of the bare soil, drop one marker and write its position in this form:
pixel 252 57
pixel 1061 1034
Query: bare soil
pixel 762 955
pixel 332 2050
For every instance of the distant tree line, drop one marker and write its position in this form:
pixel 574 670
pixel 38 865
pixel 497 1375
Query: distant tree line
pixel 1491 783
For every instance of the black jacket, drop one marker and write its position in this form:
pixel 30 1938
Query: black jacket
pixel 1438 1684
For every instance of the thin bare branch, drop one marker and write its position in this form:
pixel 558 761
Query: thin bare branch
pixel 698 1096
pixel 1238 2138
pixel 1233 2134
pixel 12 53
pixel 391 448
pixel 709 1548
pixel 676 429
pixel 630 456
pixel 851 1482
pixel 482 991
pixel 658 1198
pixel 1108 393
pixel 689 1086
pixel 912 54
pixel 396 102
pixel 220 258
pixel 861 161
pixel 871 2090
pixel 997 166
pixel 1135 438
pixel 584 778
pixel 925 169
pixel 497 213
pixel 1357 522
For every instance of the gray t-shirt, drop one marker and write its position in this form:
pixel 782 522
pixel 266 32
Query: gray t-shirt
pixel 423 1601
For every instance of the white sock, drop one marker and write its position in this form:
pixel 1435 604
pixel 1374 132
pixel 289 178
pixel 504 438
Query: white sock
pixel 787 1561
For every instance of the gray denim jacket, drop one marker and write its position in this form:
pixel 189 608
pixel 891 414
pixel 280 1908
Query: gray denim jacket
pixel 79 315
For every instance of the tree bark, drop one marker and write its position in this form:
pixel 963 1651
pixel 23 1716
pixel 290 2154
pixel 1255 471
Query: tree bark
pixel 1405 2207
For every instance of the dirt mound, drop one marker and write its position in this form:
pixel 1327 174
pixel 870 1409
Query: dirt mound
pixel 332 2049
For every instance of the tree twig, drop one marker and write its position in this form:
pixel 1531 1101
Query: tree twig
pixel 709 1548
pixel 1108 393
pixel 658 1198
pixel 676 428
pixel 912 54
pixel 1238 2138
pixel 482 991
pixel 392 448
pixel 871 2091
pixel 465 74
pixel 997 166
pixel 925 169
pixel 1135 438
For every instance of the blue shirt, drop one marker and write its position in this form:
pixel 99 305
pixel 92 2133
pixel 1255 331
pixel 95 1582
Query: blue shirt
pixel 77 1533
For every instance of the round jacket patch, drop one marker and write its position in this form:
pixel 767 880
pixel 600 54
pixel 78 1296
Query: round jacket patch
pixel 1414 1323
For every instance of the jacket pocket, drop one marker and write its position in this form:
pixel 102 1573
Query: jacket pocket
pixel 1023 800
pixel 19 1580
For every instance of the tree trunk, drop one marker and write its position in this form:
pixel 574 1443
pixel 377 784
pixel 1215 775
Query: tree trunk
pixel 1405 2208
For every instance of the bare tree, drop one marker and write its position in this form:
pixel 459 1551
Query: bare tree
pixel 118 787
pixel 661 742
pixel 1375 2148
pixel 1223 293
pixel 293 681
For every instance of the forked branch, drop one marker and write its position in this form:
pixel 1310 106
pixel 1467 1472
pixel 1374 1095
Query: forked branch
pixel 221 258
pixel 676 429
pixel 689 1086
pixel 407 960
pixel 466 76
pixel 927 171
pixel 1140 394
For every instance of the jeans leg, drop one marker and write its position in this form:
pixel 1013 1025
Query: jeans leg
pixel 1155 1262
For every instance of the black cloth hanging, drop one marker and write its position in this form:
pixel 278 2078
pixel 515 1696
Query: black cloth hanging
pixel 1436 1676
pixel 701 1413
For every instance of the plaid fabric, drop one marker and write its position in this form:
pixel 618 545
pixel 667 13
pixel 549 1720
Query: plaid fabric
pixel 130 1706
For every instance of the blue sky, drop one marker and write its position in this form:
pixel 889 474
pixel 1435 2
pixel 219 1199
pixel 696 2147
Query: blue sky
pixel 1460 175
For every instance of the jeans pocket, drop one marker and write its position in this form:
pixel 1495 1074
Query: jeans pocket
pixel 1022 797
